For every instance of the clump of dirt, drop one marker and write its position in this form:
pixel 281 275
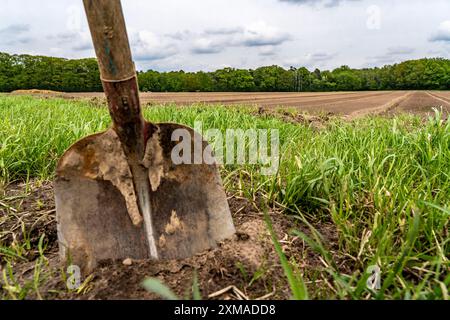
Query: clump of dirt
pixel 26 213
pixel 36 91
pixel 247 264
pixel 97 102
pixel 315 121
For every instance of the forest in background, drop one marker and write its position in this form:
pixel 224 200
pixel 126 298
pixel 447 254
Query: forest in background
pixel 82 75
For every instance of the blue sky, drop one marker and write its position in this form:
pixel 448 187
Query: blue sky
pixel 211 34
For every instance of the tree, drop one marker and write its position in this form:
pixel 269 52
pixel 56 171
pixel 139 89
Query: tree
pixel 273 78
pixel 40 72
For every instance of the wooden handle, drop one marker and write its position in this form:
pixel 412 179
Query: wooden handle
pixel 109 34
pixel 107 25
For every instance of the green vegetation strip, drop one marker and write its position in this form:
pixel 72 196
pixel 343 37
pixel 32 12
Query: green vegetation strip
pixel 383 183
pixel 82 75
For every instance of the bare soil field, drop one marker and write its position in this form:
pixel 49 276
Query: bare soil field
pixel 351 104
pixel 423 102
pixel 441 95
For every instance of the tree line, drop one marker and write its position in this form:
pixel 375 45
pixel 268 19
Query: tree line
pixel 82 75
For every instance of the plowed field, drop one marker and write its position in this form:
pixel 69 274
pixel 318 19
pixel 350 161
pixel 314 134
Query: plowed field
pixel 342 103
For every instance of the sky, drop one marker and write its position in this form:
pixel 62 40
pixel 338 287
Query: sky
pixel 211 34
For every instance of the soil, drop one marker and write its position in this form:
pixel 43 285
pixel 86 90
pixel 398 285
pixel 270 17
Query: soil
pixel 349 104
pixel 248 261
pixel 35 91
pixel 317 122
pixel 422 103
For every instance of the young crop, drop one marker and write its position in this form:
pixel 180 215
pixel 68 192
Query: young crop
pixel 383 183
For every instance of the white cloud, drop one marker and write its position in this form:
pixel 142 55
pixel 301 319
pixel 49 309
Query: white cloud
pixel 206 46
pixel 443 33
pixel 77 40
pixel 310 60
pixel 320 56
pixel 147 46
pixel 260 34
pixel 267 51
pixel 223 30
pixel 392 55
pixel 205 34
pixel 16 34
pixel 400 50
pixel 14 29
pixel 326 3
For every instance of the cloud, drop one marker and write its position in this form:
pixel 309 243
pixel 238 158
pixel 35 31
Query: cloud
pixel 311 60
pixel 267 51
pixel 394 51
pixel 382 59
pixel 14 34
pixel 83 46
pixel 261 34
pixel 320 56
pixel 325 3
pixel 63 36
pixel 393 54
pixel 443 32
pixel 79 40
pixel 258 34
pixel 438 53
pixel 227 33
pixel 223 31
pixel 207 46
pixel 21 40
pixel 15 29
pixel 180 35
pixel 147 46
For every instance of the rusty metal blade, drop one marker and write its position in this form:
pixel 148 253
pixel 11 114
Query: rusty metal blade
pixel 97 211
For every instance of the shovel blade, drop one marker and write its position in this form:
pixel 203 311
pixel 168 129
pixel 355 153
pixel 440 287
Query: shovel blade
pixel 97 211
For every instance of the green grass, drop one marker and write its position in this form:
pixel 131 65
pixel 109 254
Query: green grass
pixel 384 183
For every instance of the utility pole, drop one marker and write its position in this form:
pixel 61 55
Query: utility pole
pixel 301 82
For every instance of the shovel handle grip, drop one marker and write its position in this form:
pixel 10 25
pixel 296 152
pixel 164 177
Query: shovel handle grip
pixel 117 72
